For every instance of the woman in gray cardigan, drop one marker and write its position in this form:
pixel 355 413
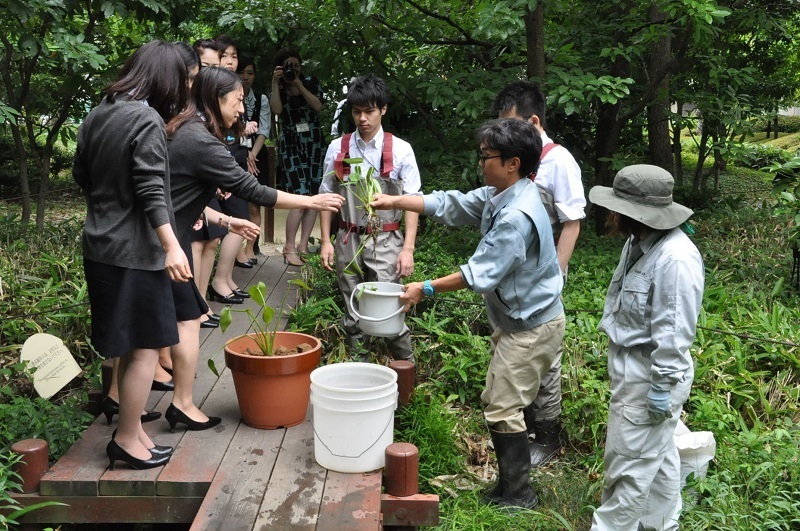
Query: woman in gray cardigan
pixel 199 164
pixel 129 245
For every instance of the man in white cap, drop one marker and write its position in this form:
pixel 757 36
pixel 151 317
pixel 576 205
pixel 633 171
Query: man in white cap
pixel 650 316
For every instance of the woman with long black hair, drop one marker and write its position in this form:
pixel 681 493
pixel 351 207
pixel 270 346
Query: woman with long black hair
pixel 200 164
pixel 129 245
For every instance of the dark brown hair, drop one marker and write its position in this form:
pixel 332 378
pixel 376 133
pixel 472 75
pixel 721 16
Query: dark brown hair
pixel 156 73
pixel 210 85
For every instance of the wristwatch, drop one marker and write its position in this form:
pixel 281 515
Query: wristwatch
pixel 427 289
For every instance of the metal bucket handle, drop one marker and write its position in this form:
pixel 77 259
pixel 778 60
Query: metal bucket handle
pixel 371 319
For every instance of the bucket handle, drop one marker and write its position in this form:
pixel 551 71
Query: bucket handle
pixel 371 319
pixel 377 439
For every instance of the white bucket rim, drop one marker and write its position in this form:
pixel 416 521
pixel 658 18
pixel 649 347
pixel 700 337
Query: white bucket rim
pixel 373 367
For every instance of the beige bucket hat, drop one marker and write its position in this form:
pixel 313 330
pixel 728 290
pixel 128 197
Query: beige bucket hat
pixel 643 192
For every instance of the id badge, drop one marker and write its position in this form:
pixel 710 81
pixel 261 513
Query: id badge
pixel 246 141
pixel 303 127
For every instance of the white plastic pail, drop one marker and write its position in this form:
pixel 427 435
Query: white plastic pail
pixel 353 422
pixel 379 312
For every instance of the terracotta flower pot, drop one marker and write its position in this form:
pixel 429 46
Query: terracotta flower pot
pixel 273 391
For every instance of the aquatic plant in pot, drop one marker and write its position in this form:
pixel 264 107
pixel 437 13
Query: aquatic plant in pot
pixel 271 368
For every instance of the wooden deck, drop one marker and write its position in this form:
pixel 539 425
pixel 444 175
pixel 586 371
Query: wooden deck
pixel 232 477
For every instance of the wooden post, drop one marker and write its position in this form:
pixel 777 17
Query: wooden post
pixel 35 454
pixel 406 374
pixel 402 507
pixel 402 469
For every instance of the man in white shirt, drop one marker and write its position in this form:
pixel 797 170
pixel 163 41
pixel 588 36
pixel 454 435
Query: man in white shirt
pixel 559 181
pixel 389 255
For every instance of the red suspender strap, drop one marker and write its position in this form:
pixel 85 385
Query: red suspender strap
pixel 545 150
pixel 387 161
pixel 339 166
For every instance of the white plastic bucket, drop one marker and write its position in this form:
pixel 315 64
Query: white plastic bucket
pixel 380 312
pixel 353 422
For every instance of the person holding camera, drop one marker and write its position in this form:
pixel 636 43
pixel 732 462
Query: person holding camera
pixel 296 101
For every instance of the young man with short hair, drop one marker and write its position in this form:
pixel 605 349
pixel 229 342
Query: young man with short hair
pixel 559 182
pixel 516 269
pixel 388 256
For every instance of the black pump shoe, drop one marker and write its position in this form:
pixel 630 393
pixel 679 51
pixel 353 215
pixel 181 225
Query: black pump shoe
pixel 169 385
pixel 252 261
pixel 214 295
pixel 175 416
pixel 156 450
pixel 110 408
pixel 116 453
pixel 246 265
pixel 213 317
pixel 209 324
pixel 241 293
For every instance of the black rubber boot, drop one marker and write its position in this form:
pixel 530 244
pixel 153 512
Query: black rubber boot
pixel 530 419
pixel 547 443
pixel 513 489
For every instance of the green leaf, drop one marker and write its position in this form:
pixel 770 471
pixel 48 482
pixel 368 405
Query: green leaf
pixel 225 318
pixel 258 293
pixel 267 314
pixel 213 367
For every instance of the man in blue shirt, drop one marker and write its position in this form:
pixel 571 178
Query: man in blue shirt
pixel 516 269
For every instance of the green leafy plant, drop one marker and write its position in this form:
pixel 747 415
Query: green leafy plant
pixel 264 336
pixel 364 188
pixel 9 482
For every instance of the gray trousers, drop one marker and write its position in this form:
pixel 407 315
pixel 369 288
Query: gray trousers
pixel 378 262
pixel 642 465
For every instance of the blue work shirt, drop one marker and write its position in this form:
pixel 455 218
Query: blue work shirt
pixel 515 264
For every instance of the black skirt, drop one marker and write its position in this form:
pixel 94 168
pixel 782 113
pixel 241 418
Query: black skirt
pixel 209 231
pixel 189 303
pixel 131 309
pixel 236 207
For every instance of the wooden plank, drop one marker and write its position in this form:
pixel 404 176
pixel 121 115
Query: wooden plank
pixel 110 509
pixel 351 501
pixel 78 471
pixel 414 510
pixel 192 467
pixel 295 488
pixel 233 500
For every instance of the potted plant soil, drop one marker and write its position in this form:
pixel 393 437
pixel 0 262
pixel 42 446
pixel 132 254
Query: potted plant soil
pixel 271 369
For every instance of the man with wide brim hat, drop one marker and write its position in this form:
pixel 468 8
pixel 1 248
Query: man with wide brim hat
pixel 650 317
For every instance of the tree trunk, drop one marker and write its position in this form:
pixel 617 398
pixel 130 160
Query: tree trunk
pixel 606 143
pixel 45 155
pixel 677 149
pixel 658 110
pixel 22 162
pixel 702 153
pixel 534 37
pixel 776 125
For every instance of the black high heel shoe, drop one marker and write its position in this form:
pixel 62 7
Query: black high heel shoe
pixel 116 453
pixel 169 385
pixel 156 450
pixel 208 323
pixel 214 295
pixel 213 317
pixel 241 293
pixel 175 416
pixel 110 408
pixel 245 265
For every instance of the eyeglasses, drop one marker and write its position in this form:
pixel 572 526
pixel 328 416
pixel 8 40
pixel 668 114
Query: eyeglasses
pixel 483 158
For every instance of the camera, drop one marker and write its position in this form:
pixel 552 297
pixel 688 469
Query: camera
pixel 289 73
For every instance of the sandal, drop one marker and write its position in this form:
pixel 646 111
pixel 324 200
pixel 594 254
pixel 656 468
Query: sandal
pixel 292 258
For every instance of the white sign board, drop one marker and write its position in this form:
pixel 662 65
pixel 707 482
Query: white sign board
pixel 55 366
